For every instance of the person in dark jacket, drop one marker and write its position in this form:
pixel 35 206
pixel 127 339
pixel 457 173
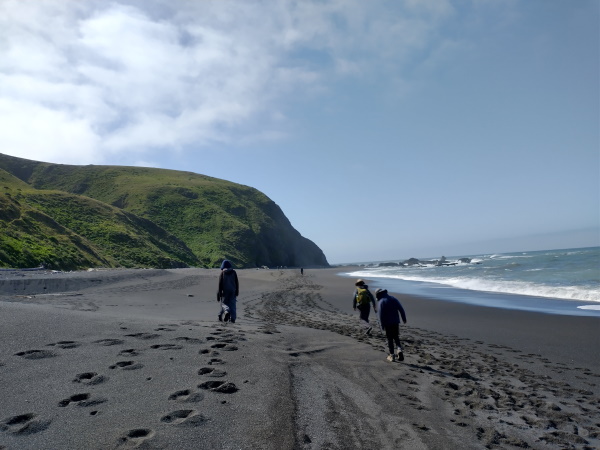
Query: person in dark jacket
pixel 229 289
pixel 389 307
pixel 362 301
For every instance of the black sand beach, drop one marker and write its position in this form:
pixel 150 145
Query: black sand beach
pixel 137 359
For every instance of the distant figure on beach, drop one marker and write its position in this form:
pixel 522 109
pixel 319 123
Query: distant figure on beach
pixel 301 270
pixel 362 301
pixel 229 289
pixel 389 307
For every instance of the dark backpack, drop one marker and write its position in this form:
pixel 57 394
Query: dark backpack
pixel 229 282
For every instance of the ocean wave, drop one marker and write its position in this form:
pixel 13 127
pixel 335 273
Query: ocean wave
pixel 509 256
pixel 498 286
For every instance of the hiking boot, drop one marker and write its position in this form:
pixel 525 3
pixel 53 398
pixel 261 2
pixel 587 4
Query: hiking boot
pixel 391 358
pixel 226 317
pixel 400 356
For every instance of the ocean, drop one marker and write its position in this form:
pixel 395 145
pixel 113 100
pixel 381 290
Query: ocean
pixel 563 281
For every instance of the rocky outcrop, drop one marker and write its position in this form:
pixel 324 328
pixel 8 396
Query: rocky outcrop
pixel 443 261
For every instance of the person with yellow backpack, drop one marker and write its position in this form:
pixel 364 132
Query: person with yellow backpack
pixel 363 298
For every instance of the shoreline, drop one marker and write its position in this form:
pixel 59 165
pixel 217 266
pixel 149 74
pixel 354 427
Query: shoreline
pixel 137 359
pixel 500 300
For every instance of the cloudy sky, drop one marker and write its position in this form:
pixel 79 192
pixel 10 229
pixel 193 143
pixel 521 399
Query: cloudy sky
pixel 383 129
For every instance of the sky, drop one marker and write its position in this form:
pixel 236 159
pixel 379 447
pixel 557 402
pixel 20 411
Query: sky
pixel 384 130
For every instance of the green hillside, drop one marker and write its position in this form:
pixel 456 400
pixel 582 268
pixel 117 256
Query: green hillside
pixel 30 237
pixel 160 218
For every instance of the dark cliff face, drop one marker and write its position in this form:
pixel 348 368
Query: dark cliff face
pixel 207 218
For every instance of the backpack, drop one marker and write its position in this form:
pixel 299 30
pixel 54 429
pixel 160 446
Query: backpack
pixel 229 283
pixel 362 296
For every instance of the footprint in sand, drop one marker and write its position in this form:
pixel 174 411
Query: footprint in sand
pixel 184 417
pixel 166 347
pixel 144 336
pixel 224 387
pixel 89 378
pixel 135 438
pixel 24 424
pixel 188 340
pixel 36 354
pixel 214 361
pixel 83 400
pixel 129 352
pixel 225 347
pixel 212 372
pixel 127 365
pixel 109 342
pixel 186 396
pixel 65 344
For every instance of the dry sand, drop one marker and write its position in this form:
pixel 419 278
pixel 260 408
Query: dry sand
pixel 137 359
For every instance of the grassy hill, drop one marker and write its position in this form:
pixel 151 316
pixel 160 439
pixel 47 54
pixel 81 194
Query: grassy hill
pixel 145 217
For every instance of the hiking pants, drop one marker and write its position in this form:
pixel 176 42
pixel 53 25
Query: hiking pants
pixel 229 305
pixel 392 335
pixel 364 310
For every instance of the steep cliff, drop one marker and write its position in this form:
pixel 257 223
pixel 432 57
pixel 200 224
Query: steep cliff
pixel 193 219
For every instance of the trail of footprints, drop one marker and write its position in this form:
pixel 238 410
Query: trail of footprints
pixel 477 382
pixel 211 380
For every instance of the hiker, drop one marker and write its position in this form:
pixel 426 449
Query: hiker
pixel 389 307
pixel 362 301
pixel 229 289
pixel 301 270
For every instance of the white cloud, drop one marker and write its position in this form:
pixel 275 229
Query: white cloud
pixel 40 133
pixel 81 81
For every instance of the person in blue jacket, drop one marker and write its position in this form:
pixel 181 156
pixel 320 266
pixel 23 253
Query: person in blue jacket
pixel 229 289
pixel 388 310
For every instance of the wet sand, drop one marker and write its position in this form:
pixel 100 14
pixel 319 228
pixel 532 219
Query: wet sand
pixel 137 359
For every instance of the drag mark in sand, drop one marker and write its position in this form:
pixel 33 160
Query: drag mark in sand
pixel 332 411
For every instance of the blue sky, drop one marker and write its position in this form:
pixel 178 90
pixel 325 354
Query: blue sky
pixel 383 129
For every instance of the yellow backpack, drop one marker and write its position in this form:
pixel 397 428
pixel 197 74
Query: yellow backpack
pixel 362 296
